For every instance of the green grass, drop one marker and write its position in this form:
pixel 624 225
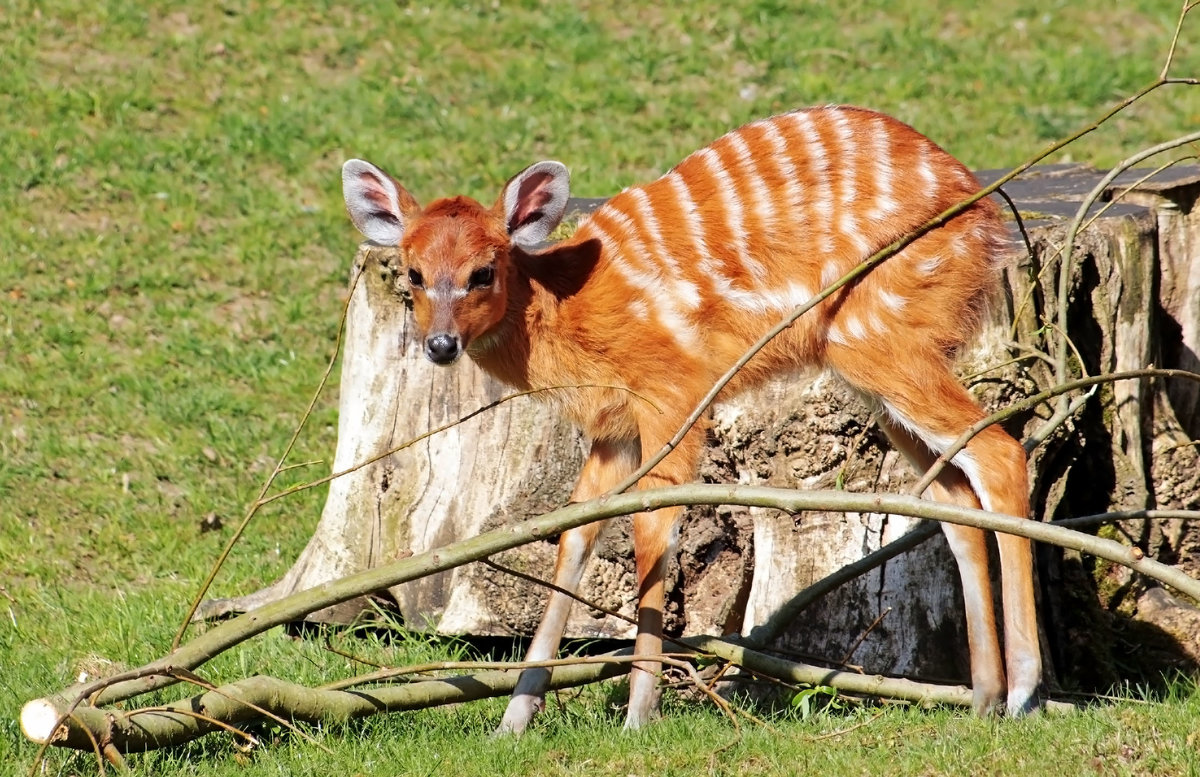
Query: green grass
pixel 173 258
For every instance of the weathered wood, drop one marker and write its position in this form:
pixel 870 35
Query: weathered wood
pixel 1134 302
pixel 510 463
pixel 1127 449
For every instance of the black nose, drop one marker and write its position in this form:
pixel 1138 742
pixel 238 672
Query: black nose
pixel 442 349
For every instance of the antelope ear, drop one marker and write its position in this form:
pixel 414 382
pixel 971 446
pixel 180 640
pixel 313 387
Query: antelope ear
pixel 534 202
pixel 378 205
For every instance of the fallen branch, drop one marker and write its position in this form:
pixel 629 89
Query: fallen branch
pixel 850 682
pixel 244 701
pixel 228 707
pixel 296 606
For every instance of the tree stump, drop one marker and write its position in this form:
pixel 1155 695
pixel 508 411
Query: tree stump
pixel 1134 302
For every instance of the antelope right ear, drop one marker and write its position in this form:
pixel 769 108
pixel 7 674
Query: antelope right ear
pixel 378 205
pixel 535 201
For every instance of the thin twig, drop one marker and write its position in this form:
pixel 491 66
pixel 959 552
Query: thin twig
pixel 1068 252
pixel 1037 399
pixel 1117 197
pixel 266 486
pixel 389 674
pixel 1018 220
pixel 844 731
pixel 100 759
pixel 301 465
pixel 232 729
pixel 1188 5
pixel 557 589
pixel 1128 515
pixel 862 637
pixel 444 427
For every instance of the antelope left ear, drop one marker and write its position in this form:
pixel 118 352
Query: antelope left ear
pixel 377 205
pixel 535 201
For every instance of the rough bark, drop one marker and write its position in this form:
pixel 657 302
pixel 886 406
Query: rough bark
pixel 1134 301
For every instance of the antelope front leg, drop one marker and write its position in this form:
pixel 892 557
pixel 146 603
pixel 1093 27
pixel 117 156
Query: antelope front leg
pixel 654 541
pixel 574 549
pixel 607 463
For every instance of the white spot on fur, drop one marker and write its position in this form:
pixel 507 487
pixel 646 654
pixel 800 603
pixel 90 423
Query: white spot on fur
pixel 892 301
pixel 830 273
pixel 929 265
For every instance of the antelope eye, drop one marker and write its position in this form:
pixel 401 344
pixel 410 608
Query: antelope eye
pixel 415 280
pixel 482 278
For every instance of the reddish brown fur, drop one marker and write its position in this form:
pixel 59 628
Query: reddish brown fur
pixel 659 294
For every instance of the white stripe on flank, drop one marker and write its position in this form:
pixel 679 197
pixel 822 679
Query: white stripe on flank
pixel 885 203
pixel 650 284
pixel 685 291
pixel 722 284
pixel 925 171
pixel 695 227
pixel 818 162
pixel 633 248
pixel 734 215
pixel 783 161
pixel 763 301
pixel 848 161
pixel 847 155
pixel 764 203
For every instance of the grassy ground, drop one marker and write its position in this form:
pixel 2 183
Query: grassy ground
pixel 175 254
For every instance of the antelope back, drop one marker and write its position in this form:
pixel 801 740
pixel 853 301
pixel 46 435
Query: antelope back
pixel 742 231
